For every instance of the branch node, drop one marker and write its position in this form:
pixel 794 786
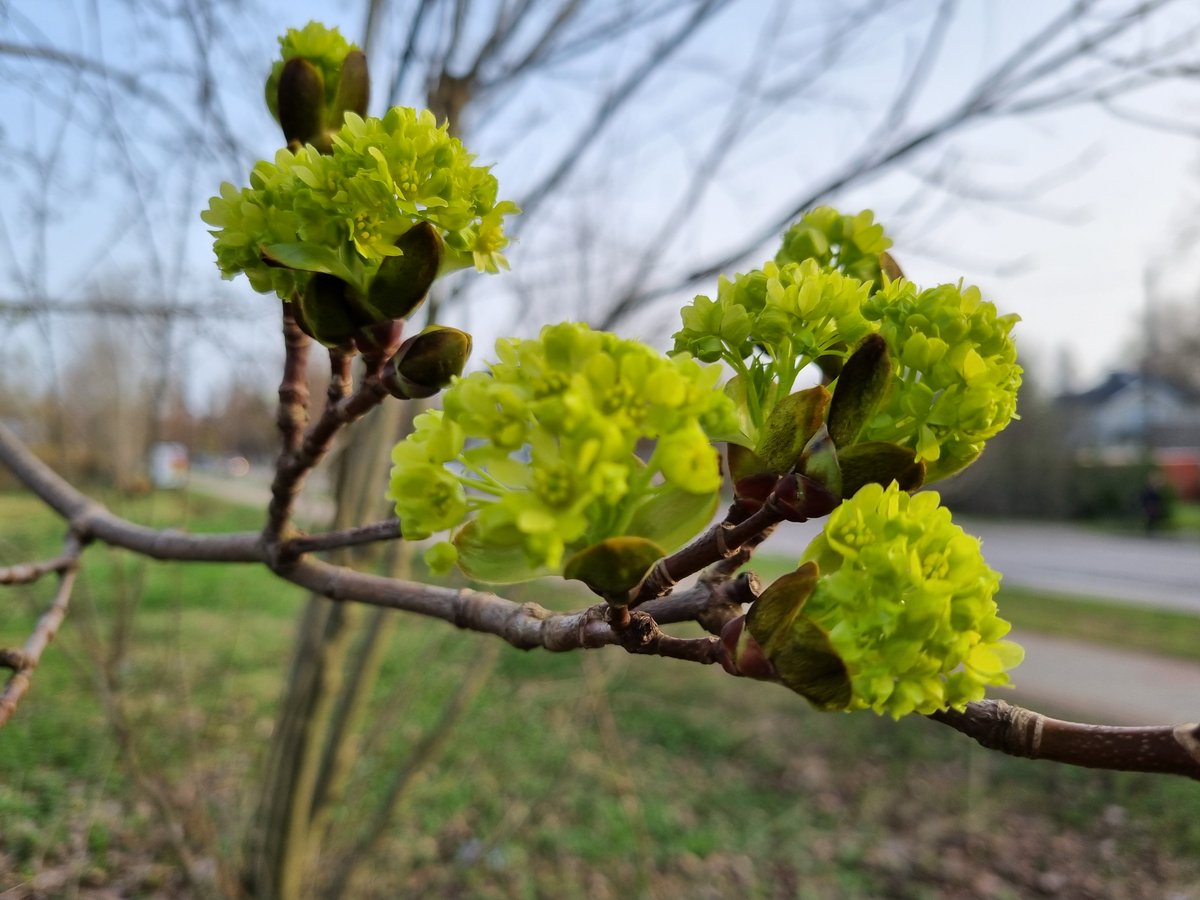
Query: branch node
pixel 1187 736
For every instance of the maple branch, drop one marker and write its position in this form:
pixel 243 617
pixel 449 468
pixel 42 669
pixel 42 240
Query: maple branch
pixel 24 661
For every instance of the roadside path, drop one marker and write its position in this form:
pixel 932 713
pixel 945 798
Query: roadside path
pixel 1163 572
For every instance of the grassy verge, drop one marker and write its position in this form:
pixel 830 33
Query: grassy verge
pixel 574 775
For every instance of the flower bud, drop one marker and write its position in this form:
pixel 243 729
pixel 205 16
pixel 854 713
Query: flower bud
pixel 426 363
pixel 301 102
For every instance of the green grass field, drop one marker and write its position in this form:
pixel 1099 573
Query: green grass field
pixel 576 775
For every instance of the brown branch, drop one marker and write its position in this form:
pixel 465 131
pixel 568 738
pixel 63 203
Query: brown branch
pixel 24 661
pixel 996 725
pixel 723 541
pixel 347 537
pixel 27 573
pixel 290 418
pixel 294 467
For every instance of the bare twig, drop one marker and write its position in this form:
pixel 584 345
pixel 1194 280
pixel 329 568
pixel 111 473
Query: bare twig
pixel 617 98
pixel 996 725
pixel 26 660
pixel 348 537
pixel 27 573
pixel 723 541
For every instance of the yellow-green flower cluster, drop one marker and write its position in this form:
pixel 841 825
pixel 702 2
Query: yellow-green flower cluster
pixel 955 375
pixel 954 372
pixel 771 323
pixel 539 452
pixel 906 599
pixel 341 213
pixel 850 244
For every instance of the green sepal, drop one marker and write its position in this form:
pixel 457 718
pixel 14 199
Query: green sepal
pixel 800 651
pixel 327 311
pixel 313 258
pixel 879 462
pixel 861 385
pixel 771 615
pixel 403 281
pixel 427 362
pixel 300 101
pixel 615 566
pixel 353 89
pixel 491 562
pixel 672 516
pixel 790 426
pixel 819 461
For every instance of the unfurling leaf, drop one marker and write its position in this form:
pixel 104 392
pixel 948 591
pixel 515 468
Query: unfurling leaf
pixel 353 89
pixel 790 426
pixel 492 562
pixel 672 516
pixel 743 463
pixel 819 462
pixel 770 617
pixel 808 665
pixel 889 266
pixel 863 381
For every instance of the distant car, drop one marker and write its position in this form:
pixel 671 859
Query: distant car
pixel 168 465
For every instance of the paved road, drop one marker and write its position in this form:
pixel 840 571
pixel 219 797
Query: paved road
pixel 1159 571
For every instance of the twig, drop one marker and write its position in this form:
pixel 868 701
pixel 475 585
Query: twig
pixel 294 467
pixel 27 573
pixel 347 537
pixel 291 417
pixel 996 725
pixel 23 662
pixel 723 541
